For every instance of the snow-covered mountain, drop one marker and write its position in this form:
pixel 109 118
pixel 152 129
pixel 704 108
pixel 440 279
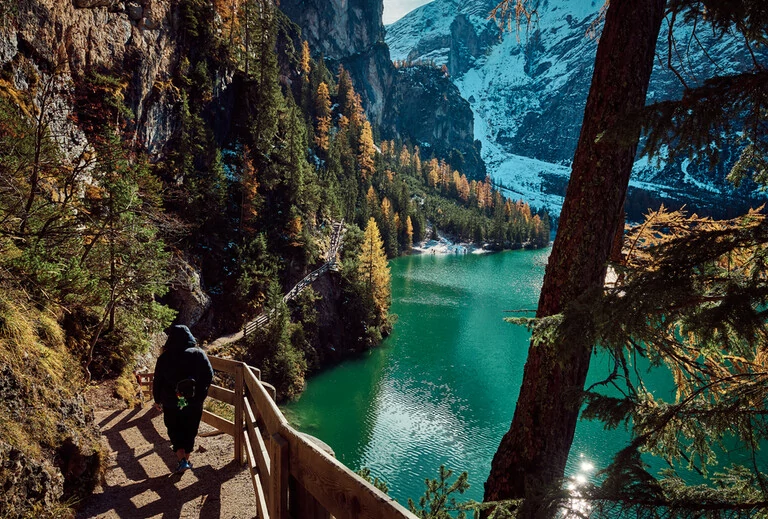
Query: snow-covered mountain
pixel 528 90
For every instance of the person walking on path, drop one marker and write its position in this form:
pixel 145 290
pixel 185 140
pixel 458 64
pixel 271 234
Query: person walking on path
pixel 183 374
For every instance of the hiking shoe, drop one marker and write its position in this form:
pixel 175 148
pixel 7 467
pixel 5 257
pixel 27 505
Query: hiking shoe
pixel 183 466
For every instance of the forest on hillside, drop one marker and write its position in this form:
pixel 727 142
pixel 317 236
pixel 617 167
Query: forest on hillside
pixel 101 236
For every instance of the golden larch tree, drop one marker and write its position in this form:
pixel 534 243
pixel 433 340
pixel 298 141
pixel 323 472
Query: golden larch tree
pixel 416 160
pixel 356 113
pixel 346 92
pixel 305 60
pixel 386 207
pixel 323 111
pixel 371 197
pixel 462 188
pixel 373 268
pixel 433 172
pixel 366 151
pixel 405 156
pixel 408 233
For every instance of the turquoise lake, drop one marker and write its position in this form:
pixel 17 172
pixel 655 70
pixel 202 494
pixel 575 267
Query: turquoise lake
pixel 442 388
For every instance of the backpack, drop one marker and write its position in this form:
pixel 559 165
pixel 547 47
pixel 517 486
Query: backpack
pixel 185 391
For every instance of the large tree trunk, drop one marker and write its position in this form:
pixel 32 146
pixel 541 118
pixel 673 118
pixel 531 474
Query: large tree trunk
pixel 532 455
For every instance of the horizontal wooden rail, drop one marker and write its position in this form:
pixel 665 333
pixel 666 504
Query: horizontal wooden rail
pixel 219 393
pixel 280 458
pixel 292 476
pixel 330 264
pixel 222 424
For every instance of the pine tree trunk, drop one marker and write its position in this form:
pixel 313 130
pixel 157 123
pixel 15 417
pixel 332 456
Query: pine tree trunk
pixel 532 455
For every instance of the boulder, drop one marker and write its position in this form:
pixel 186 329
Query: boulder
pixel 134 11
pixel 187 295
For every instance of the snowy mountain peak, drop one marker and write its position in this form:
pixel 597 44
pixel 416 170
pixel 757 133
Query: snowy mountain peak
pixel 528 90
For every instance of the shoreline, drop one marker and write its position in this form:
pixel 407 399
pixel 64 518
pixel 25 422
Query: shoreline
pixel 444 246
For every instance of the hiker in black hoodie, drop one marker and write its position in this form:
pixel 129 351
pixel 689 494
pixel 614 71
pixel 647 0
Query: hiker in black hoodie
pixel 182 376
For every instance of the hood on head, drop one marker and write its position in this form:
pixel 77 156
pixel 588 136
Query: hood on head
pixel 179 338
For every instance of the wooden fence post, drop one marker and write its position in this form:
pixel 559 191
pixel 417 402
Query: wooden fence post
pixel 239 447
pixel 303 503
pixel 278 477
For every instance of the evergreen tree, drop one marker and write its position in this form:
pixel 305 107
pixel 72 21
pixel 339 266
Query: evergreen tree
pixel 250 197
pixel 259 63
pixel 122 251
pixel 272 347
pixel 532 455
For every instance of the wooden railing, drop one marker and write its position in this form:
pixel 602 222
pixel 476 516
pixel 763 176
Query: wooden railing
pixel 292 476
pixel 330 264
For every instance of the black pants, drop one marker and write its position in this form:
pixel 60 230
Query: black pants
pixel 182 426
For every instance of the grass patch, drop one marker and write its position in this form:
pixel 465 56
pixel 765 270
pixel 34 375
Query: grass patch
pixel 49 331
pixel 16 330
pixel 39 407
pixel 220 408
pixel 126 388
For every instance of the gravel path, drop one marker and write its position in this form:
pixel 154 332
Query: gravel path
pixel 139 483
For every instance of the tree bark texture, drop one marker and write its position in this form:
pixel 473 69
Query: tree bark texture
pixel 532 454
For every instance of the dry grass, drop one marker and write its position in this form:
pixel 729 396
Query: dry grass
pixel 220 408
pixel 16 329
pixel 14 434
pixel 127 389
pixel 49 331
pixel 39 376
pixel 38 405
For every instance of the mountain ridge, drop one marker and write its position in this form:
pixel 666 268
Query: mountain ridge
pixel 528 91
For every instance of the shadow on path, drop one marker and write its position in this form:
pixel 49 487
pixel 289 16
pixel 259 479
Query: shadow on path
pixel 139 482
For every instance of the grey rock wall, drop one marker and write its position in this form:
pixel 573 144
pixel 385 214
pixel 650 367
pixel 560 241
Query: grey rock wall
pixel 350 33
pixel 68 39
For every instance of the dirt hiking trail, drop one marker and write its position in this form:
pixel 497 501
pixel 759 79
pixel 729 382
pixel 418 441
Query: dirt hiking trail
pixel 139 483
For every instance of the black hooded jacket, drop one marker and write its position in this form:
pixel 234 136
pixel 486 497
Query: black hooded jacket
pixel 181 359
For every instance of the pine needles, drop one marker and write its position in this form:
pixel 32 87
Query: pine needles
pixel 691 297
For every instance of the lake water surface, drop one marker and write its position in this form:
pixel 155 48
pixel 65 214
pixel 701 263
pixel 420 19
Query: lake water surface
pixel 442 387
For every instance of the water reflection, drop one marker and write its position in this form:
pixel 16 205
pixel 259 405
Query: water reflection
pixel 577 507
pixel 446 380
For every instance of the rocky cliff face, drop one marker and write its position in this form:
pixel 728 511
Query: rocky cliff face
pixel 68 39
pixel 438 128
pixel 338 28
pixel 351 33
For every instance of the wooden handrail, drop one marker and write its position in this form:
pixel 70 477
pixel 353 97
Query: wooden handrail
pixel 330 264
pixel 292 476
